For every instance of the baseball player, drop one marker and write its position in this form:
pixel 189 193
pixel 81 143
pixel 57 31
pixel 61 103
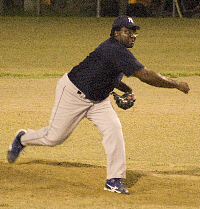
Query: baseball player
pixel 84 93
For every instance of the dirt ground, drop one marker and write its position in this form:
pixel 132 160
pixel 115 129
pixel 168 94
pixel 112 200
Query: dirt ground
pixel 161 172
pixel 50 184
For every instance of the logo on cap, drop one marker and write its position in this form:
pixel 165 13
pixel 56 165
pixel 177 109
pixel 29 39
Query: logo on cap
pixel 130 20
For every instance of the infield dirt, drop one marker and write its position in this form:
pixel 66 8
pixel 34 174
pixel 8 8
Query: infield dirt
pixel 162 146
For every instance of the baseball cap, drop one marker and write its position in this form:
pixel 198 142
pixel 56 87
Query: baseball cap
pixel 125 21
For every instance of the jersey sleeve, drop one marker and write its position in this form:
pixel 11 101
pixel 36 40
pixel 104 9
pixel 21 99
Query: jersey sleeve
pixel 125 61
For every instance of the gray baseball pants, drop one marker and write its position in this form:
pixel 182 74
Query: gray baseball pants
pixel 70 107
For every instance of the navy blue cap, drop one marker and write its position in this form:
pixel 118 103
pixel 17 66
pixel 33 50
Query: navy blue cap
pixel 125 21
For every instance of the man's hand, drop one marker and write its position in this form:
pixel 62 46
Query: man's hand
pixel 182 86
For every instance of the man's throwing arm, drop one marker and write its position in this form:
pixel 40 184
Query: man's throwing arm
pixel 157 80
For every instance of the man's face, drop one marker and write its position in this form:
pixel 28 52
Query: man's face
pixel 126 37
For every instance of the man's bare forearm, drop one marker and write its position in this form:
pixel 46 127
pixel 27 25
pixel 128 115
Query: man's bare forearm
pixel 123 87
pixel 157 80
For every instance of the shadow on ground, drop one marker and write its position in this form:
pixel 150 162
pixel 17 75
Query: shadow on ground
pixel 31 179
pixel 131 178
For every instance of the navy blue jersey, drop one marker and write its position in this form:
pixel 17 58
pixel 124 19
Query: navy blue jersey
pixel 100 72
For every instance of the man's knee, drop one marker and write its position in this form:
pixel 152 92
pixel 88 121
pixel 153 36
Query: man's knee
pixel 114 126
pixel 54 140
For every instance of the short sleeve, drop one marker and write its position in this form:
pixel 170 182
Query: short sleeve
pixel 125 61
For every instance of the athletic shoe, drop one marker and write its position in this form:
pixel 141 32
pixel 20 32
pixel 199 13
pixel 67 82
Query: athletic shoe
pixel 16 147
pixel 115 185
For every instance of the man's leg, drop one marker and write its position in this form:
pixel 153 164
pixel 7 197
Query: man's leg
pixel 105 118
pixel 69 109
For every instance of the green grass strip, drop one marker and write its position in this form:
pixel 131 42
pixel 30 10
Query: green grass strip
pixel 180 74
pixel 31 75
pixel 56 75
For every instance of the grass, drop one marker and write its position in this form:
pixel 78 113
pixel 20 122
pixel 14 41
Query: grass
pixel 161 132
pixel 32 75
pixel 53 45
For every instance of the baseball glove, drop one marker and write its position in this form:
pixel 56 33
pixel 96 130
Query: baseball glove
pixel 125 101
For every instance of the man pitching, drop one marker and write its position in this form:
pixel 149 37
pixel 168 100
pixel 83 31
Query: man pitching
pixel 84 93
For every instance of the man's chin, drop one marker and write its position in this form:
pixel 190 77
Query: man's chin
pixel 130 46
